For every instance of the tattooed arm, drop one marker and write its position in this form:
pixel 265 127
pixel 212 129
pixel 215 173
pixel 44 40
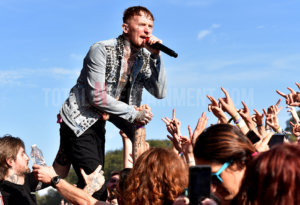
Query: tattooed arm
pixel 61 163
pixel 139 142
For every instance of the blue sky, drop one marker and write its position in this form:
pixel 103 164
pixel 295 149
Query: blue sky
pixel 249 47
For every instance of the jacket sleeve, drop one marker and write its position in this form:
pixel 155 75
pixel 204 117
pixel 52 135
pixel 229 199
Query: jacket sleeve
pixel 95 63
pixel 157 83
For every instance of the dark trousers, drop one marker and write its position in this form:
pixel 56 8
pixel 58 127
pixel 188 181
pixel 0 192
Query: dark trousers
pixel 88 150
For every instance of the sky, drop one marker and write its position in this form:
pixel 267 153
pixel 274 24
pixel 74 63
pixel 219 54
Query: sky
pixel 251 48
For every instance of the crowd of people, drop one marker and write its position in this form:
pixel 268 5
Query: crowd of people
pixel 251 159
pixel 244 170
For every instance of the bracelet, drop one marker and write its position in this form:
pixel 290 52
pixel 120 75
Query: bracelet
pixel 138 127
pixel 279 130
pixel 238 121
pixel 237 114
pixel 181 154
pixel 254 154
pixel 259 125
pixel 241 124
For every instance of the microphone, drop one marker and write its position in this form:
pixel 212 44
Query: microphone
pixel 163 48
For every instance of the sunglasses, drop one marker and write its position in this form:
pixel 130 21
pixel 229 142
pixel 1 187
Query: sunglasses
pixel 215 177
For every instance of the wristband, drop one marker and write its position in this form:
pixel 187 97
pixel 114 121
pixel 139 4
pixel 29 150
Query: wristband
pixel 254 154
pixel 279 130
pixel 138 127
pixel 237 114
pixel 241 124
pixel 238 121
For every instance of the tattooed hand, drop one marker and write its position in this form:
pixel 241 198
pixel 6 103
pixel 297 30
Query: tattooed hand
pixel 143 117
pixel 94 180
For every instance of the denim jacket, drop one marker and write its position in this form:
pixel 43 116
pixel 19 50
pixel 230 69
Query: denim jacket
pixel 95 90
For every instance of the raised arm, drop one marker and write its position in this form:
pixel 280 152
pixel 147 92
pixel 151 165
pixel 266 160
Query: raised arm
pixel 229 107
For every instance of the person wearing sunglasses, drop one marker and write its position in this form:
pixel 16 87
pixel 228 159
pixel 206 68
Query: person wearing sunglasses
pixel 227 151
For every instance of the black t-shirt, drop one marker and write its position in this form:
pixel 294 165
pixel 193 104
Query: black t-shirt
pixel 15 194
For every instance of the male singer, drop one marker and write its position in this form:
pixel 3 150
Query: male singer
pixel 111 82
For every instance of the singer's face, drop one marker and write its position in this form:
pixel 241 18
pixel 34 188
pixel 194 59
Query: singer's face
pixel 138 28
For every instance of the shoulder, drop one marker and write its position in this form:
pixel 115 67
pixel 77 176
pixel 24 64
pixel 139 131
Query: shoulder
pixel 101 47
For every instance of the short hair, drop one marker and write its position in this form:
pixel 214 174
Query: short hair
pixel 158 177
pixel 9 148
pixel 136 11
pixel 273 175
pixel 224 143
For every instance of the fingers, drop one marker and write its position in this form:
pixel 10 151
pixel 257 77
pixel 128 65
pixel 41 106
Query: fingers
pixel 265 112
pixel 153 39
pixel 165 121
pixel 298 85
pixel 170 138
pixel 98 168
pixel 278 102
pixel 292 91
pixel 212 100
pixel 222 101
pixel 292 124
pixel 190 131
pixel 245 106
pixel 84 175
pixel 173 114
pixel 281 93
pixel 256 112
pixel 225 92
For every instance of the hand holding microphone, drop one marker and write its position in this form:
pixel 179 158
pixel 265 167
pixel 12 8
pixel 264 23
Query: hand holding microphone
pixel 159 46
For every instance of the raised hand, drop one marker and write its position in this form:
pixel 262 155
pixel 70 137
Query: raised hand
pixel 262 144
pixel 246 117
pixel 271 116
pixel 143 117
pixel 293 98
pixel 216 109
pixel 200 127
pixel 227 104
pixel 258 118
pixel 294 113
pixel 94 181
pixel 272 121
pixel 173 125
pixel 296 129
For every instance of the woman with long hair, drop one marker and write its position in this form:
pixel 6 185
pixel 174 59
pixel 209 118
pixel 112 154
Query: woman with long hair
pixel 273 177
pixel 157 177
pixel 227 150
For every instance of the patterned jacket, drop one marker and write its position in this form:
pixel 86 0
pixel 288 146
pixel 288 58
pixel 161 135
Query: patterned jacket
pixel 95 90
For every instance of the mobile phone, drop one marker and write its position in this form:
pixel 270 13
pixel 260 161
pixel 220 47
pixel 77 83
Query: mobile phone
pixel 276 139
pixel 252 137
pixel 199 183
